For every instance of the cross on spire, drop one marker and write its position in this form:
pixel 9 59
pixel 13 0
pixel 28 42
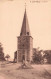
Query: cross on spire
pixel 25 5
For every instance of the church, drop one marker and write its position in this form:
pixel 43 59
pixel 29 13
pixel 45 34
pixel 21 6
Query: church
pixel 24 43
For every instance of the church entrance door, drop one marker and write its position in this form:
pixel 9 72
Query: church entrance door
pixel 23 58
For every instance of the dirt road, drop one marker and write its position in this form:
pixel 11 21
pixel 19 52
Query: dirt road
pixel 10 71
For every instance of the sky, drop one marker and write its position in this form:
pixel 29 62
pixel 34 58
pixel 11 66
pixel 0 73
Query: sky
pixel 11 18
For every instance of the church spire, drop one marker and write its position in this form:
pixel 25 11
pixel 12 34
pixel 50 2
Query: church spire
pixel 25 26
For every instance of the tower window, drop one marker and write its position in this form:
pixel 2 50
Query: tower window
pixel 27 33
pixel 23 45
pixel 20 33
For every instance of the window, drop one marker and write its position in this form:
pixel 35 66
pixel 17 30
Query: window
pixel 20 33
pixel 27 33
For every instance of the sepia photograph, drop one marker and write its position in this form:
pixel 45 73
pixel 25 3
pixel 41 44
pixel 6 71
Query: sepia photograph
pixel 25 39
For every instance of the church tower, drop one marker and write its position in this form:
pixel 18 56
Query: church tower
pixel 25 42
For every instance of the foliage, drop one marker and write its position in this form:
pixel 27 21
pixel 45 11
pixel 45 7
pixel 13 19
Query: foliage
pixel 37 57
pixel 7 56
pixel 40 56
pixel 47 56
pixel 1 53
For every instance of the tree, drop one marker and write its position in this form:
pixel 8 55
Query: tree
pixel 7 57
pixel 37 57
pixel 47 56
pixel 1 53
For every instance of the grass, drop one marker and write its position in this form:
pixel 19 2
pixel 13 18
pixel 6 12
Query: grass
pixel 11 71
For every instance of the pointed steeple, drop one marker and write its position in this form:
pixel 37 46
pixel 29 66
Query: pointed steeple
pixel 25 26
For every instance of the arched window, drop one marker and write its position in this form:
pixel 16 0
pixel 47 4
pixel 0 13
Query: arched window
pixel 27 33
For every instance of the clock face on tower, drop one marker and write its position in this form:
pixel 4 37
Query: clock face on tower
pixel 23 43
